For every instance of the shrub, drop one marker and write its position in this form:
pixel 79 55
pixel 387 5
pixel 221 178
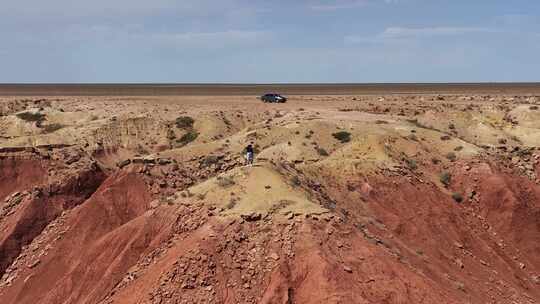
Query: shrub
pixel 231 203
pixel 321 151
pixel 445 178
pixel 411 163
pixel 457 197
pixel 445 137
pixel 451 156
pixel 225 182
pixel 342 136
pixel 184 122
pixel 296 181
pixel 412 137
pixel 52 127
pixel 187 138
pixel 29 116
pixel 210 160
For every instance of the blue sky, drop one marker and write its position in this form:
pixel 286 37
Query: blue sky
pixel 257 41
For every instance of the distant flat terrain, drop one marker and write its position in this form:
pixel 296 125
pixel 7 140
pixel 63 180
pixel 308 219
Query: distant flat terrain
pixel 257 89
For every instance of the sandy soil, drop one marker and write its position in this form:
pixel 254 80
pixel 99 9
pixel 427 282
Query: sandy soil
pixel 377 198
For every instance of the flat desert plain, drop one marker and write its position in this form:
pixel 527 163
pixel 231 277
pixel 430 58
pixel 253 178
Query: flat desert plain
pixel 377 194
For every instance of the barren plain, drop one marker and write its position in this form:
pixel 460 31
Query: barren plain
pixel 424 197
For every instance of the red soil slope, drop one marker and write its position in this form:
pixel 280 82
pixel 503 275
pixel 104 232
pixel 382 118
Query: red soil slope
pixel 390 239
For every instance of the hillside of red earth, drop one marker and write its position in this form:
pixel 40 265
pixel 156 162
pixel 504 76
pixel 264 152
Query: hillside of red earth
pixel 388 198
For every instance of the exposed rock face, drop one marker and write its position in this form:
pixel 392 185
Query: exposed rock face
pixel 125 214
pixel 44 197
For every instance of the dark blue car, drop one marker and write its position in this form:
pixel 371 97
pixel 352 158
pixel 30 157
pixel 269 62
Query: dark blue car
pixel 273 98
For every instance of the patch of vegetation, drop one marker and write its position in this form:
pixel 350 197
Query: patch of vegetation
pixel 411 163
pixel 296 181
pixel 210 160
pixel 413 121
pixel 141 150
pixel 342 136
pixel 225 181
pixel 186 193
pixel 445 178
pixel 187 138
pixel 457 197
pixel 52 127
pixel 347 110
pixel 458 148
pixel 29 116
pixel 451 156
pixel 412 137
pixel 231 203
pixel 184 122
pixel 445 137
pixel 321 151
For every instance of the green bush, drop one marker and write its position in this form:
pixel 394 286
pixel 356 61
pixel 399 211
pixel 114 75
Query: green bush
pixel 184 122
pixel 296 181
pixel 411 163
pixel 342 136
pixel 445 178
pixel 321 151
pixel 225 182
pixel 412 137
pixel 29 116
pixel 210 160
pixel 52 127
pixel 187 138
pixel 457 197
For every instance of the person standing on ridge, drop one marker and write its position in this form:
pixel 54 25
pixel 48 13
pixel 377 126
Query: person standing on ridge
pixel 249 154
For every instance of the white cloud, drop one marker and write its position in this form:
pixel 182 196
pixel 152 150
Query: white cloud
pixel 210 39
pixel 329 5
pixel 103 7
pixel 336 5
pixel 400 34
pixel 32 11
